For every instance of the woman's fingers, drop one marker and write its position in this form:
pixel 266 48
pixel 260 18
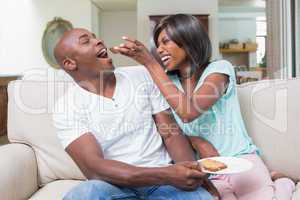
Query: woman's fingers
pixel 122 50
pixel 129 45
pixel 131 40
pixel 125 48
pixel 133 46
pixel 135 50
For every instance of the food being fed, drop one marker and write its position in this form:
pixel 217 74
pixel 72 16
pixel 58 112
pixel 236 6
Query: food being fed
pixel 113 50
pixel 213 165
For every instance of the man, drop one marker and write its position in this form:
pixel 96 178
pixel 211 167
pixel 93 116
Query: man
pixel 118 129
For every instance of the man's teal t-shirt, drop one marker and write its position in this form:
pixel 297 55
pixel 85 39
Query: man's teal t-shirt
pixel 222 125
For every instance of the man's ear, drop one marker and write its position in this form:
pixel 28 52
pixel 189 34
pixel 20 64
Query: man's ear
pixel 69 64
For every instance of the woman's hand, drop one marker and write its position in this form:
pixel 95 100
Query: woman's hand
pixel 204 148
pixel 134 49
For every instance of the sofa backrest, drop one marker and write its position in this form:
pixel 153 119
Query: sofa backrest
pixel 271 111
pixel 30 105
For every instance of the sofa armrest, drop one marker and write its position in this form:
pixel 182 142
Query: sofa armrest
pixel 18 172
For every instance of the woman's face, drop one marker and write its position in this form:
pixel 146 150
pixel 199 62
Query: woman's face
pixel 172 56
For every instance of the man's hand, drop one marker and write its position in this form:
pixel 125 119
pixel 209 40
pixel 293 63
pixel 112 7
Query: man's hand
pixel 185 175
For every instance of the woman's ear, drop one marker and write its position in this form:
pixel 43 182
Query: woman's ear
pixel 69 64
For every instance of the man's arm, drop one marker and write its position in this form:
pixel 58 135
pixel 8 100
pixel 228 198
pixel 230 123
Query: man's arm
pixel 88 155
pixel 179 147
pixel 176 143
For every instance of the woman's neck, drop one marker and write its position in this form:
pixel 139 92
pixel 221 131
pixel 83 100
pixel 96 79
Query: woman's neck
pixel 189 82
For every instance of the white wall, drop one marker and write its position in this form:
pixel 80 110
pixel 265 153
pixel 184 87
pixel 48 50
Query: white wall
pixel 166 7
pixel 239 25
pixel 240 28
pixel 95 19
pixel 243 3
pixel 237 28
pixel 114 25
pixel 22 23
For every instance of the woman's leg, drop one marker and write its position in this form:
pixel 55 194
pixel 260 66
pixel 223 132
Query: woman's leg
pixel 256 184
pixel 224 187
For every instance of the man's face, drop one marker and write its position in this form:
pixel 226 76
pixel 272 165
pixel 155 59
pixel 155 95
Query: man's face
pixel 89 53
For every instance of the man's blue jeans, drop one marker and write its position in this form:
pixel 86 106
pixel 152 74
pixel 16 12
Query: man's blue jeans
pixel 100 190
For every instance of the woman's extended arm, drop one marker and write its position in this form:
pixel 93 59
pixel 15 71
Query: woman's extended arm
pixel 187 107
pixel 203 147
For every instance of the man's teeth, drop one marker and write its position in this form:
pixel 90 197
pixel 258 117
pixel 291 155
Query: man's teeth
pixel 102 53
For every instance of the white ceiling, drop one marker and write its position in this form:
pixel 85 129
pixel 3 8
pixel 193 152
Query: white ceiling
pixel 240 3
pixel 116 5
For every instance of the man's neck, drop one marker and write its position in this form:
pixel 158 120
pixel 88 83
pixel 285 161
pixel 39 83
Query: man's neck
pixel 103 85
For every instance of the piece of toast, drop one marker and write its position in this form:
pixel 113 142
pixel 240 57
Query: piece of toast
pixel 213 165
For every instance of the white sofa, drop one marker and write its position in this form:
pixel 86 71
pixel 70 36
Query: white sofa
pixel 34 166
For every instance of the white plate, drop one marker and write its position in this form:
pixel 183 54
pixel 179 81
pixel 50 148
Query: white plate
pixel 234 165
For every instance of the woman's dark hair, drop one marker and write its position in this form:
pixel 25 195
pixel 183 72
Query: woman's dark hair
pixel 189 34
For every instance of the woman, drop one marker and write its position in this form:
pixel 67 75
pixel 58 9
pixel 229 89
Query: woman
pixel 203 97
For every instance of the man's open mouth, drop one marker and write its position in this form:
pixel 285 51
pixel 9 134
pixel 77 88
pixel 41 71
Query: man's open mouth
pixel 102 53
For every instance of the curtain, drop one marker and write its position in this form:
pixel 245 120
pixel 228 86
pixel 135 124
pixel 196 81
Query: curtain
pixel 279 38
pixel 297 29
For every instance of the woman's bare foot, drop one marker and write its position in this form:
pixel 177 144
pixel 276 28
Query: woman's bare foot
pixel 277 175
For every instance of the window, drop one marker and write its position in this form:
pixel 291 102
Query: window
pixel 261 38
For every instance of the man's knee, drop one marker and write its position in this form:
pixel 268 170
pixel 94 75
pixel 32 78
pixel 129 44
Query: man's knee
pixel 101 186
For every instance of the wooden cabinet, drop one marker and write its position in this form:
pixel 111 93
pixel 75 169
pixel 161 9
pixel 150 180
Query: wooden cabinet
pixel 3 110
pixel 3 102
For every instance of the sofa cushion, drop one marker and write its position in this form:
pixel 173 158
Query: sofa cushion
pixel 54 190
pixel 30 106
pixel 271 111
